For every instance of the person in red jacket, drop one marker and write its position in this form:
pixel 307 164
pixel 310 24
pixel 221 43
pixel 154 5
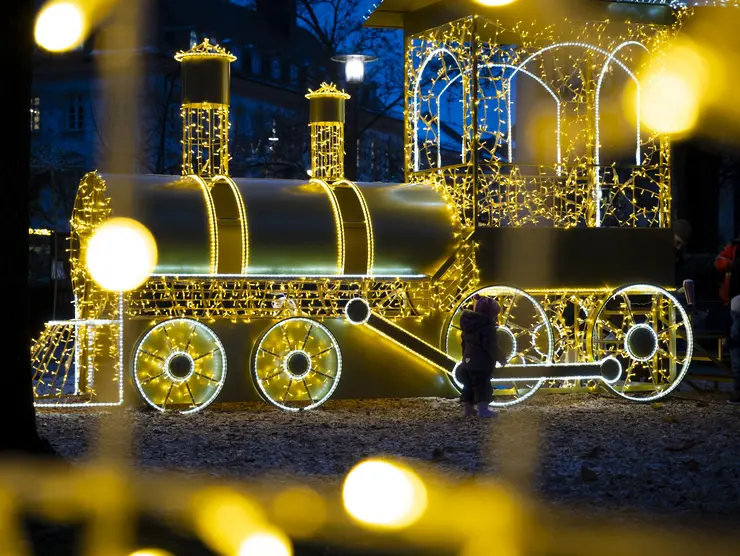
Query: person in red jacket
pixel 728 263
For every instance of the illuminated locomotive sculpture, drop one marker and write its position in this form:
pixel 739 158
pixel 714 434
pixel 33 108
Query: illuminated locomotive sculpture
pixel 323 287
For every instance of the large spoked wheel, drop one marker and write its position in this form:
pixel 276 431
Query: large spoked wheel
pixel 648 330
pixel 297 364
pixel 524 334
pixel 179 365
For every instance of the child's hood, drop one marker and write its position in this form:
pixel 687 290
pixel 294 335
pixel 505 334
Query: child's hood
pixel 471 321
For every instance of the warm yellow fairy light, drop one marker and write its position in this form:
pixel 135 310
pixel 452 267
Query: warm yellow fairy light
pixel 384 495
pixel 266 543
pixel 495 2
pixel 670 104
pixel 674 89
pixel 121 255
pixel 150 552
pixel 239 298
pixel 59 26
pixel 562 189
pixel 577 187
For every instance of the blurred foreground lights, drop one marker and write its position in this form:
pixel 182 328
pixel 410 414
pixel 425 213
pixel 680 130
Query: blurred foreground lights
pixel 384 495
pixel 494 2
pixel 670 104
pixel 151 552
pixel 675 88
pixel 121 254
pixel 266 543
pixel 313 511
pixel 59 26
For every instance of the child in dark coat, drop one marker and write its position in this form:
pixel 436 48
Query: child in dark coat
pixel 480 354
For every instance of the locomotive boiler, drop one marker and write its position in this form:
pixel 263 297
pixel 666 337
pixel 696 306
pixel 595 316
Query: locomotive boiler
pixel 297 291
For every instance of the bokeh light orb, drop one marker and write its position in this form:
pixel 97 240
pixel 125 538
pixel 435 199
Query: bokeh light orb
pixel 675 89
pixel 266 543
pixel 670 103
pixel 121 255
pixel 494 2
pixel 384 495
pixel 59 26
pixel 151 552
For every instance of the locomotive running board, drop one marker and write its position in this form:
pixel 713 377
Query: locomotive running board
pixel 358 312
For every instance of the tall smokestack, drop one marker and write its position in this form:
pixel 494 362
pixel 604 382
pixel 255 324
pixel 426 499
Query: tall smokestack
pixel 327 132
pixel 206 73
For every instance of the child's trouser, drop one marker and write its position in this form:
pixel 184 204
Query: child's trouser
pixel 476 385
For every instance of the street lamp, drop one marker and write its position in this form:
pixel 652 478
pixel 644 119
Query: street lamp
pixel 354 75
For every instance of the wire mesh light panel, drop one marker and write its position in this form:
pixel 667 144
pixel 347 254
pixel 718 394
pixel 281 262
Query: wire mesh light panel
pixel 526 124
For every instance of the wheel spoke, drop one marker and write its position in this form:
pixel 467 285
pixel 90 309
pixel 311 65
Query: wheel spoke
pixel 270 352
pixel 310 397
pixel 273 375
pixel 628 306
pixel 322 374
pixel 610 328
pixel 322 352
pixel 214 350
pixel 673 328
pixel 287 390
pixel 206 377
pixel 167 338
pixel 191 393
pixel 507 313
pixel 286 339
pixel 150 354
pixel 146 380
pixel 164 405
pixel 190 338
pixel 305 339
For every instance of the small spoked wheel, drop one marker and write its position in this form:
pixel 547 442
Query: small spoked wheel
pixel 179 365
pixel 524 335
pixel 297 364
pixel 648 330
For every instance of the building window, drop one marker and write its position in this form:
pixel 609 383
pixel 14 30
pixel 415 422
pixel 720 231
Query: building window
pixel 76 114
pixel 35 114
pixel 256 63
pixel 276 68
pixel 293 74
pixel 193 39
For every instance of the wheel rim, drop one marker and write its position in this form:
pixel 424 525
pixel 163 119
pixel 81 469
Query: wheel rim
pixel 645 327
pixel 297 364
pixel 180 365
pixel 523 328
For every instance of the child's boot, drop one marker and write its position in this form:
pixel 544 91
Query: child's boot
pixel 485 411
pixel 468 410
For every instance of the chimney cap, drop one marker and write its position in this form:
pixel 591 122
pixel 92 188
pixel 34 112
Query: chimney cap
pixel 205 50
pixel 327 90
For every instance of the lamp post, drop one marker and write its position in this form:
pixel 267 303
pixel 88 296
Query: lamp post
pixel 354 75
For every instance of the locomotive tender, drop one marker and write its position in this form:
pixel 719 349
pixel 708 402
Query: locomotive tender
pixel 296 291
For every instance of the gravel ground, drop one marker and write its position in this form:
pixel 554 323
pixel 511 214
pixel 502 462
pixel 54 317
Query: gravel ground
pixel 679 460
